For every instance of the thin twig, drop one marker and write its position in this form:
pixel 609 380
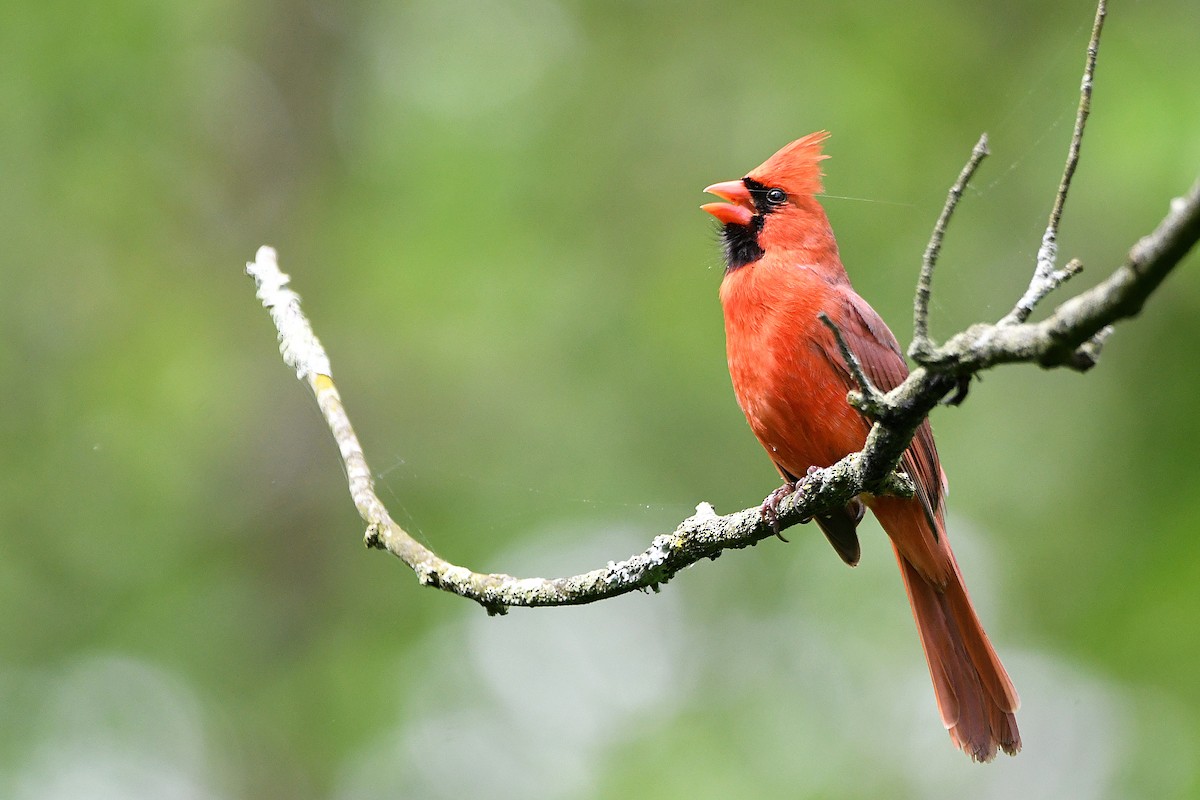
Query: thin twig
pixel 1046 277
pixel 868 399
pixel 921 343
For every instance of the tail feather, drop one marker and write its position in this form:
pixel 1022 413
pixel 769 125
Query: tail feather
pixel 991 671
pixel 975 697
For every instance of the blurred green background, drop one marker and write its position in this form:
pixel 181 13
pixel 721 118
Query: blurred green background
pixel 490 209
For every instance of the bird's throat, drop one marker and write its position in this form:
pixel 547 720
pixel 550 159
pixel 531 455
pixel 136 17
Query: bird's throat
pixel 741 243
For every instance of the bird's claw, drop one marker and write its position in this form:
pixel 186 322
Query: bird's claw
pixel 769 510
pixel 962 385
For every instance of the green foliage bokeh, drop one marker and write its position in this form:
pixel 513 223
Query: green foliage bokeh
pixel 490 209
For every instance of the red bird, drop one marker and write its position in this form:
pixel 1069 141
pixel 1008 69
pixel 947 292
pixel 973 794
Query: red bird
pixel 782 270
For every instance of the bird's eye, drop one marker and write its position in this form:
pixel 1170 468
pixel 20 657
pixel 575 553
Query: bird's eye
pixel 776 196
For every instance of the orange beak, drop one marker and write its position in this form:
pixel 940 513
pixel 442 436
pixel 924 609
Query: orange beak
pixel 740 208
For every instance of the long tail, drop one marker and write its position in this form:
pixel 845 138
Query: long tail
pixel 976 699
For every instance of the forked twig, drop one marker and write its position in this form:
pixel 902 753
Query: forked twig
pixel 1046 277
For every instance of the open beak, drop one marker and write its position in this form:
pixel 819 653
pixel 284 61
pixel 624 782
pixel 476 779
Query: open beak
pixel 740 208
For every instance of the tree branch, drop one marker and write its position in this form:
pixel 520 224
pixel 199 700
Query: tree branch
pixel 1071 336
pixel 1045 277
pixel 921 343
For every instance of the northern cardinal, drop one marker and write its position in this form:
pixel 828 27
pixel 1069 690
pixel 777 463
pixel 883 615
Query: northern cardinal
pixel 782 269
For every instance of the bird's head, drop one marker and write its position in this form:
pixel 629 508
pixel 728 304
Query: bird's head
pixel 773 206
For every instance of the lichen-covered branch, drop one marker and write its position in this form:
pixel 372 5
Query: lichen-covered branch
pixel 703 535
pixel 1070 336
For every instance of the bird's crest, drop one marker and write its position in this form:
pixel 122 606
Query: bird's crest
pixel 796 167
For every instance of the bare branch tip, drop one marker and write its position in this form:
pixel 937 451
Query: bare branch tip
pixel 1088 354
pixel 921 341
pixel 264 255
pixel 981 150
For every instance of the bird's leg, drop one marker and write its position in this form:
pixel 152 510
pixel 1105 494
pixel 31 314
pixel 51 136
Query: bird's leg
pixel 769 510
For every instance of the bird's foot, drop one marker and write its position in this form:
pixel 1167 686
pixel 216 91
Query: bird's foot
pixel 962 385
pixel 769 510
